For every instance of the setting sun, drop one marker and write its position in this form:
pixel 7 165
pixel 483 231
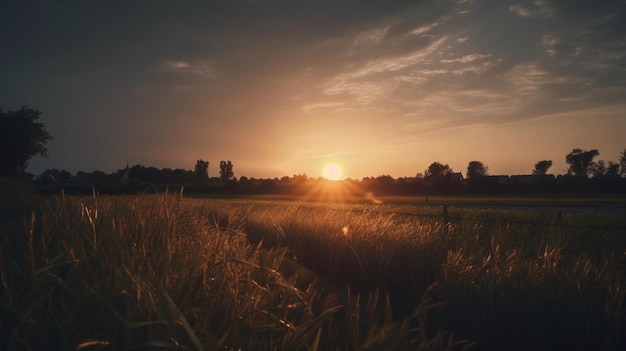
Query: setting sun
pixel 332 172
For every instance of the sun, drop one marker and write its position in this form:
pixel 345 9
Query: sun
pixel 332 172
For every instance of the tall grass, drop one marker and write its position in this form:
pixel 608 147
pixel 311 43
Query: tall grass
pixel 166 272
pixel 507 279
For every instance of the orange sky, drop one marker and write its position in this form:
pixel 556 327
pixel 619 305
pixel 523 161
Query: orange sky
pixel 283 88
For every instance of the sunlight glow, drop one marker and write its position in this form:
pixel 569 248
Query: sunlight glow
pixel 332 172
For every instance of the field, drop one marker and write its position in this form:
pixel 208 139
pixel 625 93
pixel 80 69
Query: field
pixel 277 273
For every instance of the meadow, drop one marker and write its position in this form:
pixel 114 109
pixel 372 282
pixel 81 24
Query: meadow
pixel 169 271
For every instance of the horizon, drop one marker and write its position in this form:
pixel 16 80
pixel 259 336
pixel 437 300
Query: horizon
pixel 334 175
pixel 284 88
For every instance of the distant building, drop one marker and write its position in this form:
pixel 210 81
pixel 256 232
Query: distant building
pixel 125 178
pixel 457 177
pixel 499 179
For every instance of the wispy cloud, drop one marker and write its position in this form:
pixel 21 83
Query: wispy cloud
pixel 466 58
pixel 537 8
pixel 378 78
pixel 322 105
pixel 400 62
pixel 519 10
pixel 199 68
pixel 423 29
pixel 549 42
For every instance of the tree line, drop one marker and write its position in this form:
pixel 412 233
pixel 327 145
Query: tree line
pixel 23 138
pixel 584 174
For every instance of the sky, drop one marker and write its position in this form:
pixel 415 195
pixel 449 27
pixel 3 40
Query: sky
pixel 286 87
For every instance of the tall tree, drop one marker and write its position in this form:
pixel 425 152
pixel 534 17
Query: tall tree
pixel 597 169
pixel 437 170
pixel 580 162
pixel 202 170
pixel 541 167
pixel 226 171
pixel 476 169
pixel 612 169
pixel 21 138
pixel 622 163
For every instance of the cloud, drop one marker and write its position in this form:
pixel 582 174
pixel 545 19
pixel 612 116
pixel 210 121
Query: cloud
pixel 423 29
pixel 549 42
pixel 537 8
pixel 466 58
pixel 199 68
pixel 176 65
pixel 519 10
pixel 321 105
pixel 376 79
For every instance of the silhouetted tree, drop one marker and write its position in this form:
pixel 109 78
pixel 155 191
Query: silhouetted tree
pixel 476 169
pixel 21 138
pixel 541 167
pixel 622 163
pixel 612 169
pixel 604 169
pixel 202 170
pixel 226 171
pixel 53 175
pixel 580 162
pixel 597 169
pixel 437 170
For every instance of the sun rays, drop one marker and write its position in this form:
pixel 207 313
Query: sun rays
pixel 326 190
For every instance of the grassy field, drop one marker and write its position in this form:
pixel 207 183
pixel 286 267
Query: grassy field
pixel 171 272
